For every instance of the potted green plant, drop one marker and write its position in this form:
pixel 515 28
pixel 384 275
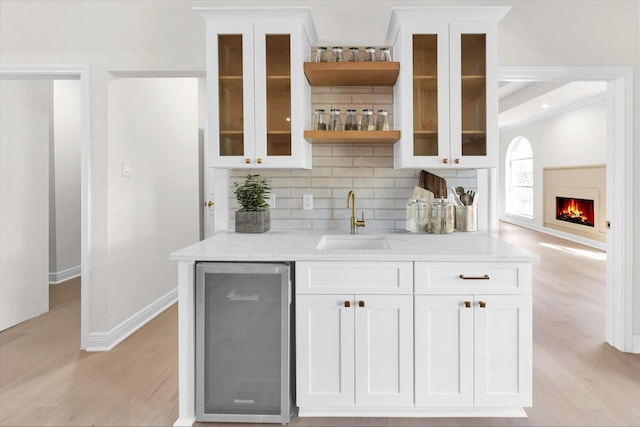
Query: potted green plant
pixel 253 215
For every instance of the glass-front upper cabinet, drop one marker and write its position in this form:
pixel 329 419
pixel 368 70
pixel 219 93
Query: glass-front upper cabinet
pixel 255 63
pixel 446 95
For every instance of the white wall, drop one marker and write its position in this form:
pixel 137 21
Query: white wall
pixel 25 115
pixel 573 138
pixel 153 126
pixel 168 36
pixel 64 256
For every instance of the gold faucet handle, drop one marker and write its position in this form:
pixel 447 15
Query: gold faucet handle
pixel 360 222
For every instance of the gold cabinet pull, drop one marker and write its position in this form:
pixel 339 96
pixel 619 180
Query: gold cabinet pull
pixel 247 161
pixel 259 161
pixel 482 304
pixel 360 303
pixel 208 204
pixel 347 304
pixel 467 304
pixel 445 160
pixel 456 161
pixel 485 277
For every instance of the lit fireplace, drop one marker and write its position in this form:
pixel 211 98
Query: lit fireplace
pixel 577 211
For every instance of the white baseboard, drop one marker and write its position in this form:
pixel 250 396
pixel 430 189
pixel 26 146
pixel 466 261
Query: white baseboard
pixel 105 341
pixel 64 275
pixel 566 236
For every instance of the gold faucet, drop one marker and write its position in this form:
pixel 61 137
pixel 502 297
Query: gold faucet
pixel 355 222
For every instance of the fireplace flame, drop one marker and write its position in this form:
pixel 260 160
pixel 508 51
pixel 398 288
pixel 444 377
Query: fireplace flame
pixel 578 211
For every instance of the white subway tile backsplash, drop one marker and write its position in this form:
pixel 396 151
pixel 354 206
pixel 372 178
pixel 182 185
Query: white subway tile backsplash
pixel 316 171
pixel 332 182
pixel 374 182
pixel 321 150
pixel 352 150
pixel 353 172
pixel 373 161
pixel 381 191
pixel 332 161
pixel 361 193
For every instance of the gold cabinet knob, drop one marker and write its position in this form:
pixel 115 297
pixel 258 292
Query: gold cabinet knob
pixel 208 204
pixel 247 161
pixel 467 304
pixel 360 303
pixel 259 161
pixel 482 304
pixel 347 304
pixel 445 160
pixel 456 161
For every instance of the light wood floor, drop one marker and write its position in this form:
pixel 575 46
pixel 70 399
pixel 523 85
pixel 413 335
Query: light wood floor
pixel 578 379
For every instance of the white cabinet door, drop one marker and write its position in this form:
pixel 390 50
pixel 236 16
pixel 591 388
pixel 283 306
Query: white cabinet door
pixel 474 95
pixel 258 96
pixel 384 350
pixel 230 88
pixel 325 351
pixel 503 351
pixel 445 99
pixel 421 105
pixel 444 351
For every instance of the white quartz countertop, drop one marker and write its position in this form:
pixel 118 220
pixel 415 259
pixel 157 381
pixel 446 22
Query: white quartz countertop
pixel 300 245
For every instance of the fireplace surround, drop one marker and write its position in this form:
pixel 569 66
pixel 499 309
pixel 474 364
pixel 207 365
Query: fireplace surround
pixel 575 200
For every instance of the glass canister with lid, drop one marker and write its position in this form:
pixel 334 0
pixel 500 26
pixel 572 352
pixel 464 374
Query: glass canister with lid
pixel 417 219
pixel 367 122
pixel 442 216
pixel 351 121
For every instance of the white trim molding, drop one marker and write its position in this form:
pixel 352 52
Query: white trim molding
pixel 620 283
pixel 64 275
pixel 105 341
pixel 64 72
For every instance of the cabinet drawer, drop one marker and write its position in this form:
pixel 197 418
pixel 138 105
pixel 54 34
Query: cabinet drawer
pixel 343 277
pixel 472 278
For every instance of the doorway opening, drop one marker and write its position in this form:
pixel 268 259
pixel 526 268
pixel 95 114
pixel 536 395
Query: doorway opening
pixel 619 182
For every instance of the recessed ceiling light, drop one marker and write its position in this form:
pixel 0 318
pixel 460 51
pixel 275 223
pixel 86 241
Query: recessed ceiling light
pixel 544 106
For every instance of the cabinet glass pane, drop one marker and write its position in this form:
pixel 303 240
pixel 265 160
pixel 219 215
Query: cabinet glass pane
pixel 278 95
pixel 230 89
pixel 474 94
pixel 425 95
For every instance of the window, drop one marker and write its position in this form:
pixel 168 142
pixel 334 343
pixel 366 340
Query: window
pixel 519 178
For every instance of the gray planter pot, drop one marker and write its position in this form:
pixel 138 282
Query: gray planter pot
pixel 253 221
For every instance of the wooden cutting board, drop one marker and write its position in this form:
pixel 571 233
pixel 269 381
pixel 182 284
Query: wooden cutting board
pixel 437 185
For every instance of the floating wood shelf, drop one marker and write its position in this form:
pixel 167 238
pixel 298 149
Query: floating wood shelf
pixel 352 136
pixel 352 73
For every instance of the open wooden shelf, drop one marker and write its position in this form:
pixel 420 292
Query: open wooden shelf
pixel 352 73
pixel 352 136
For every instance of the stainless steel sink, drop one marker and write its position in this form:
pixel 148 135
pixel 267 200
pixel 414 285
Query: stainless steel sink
pixel 352 242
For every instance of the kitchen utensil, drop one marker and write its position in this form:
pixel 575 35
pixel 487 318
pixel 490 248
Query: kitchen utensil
pixel 470 196
pixel 475 200
pixel 456 197
pixel 421 193
pixel 433 183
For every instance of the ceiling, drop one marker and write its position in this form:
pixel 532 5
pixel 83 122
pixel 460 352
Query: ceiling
pixel 523 102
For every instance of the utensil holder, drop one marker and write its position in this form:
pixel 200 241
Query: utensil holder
pixel 466 218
